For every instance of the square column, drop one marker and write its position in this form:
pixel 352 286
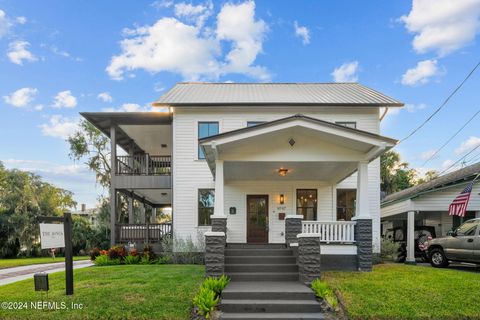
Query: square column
pixel 293 227
pixel 153 218
pixel 410 238
pixel 142 213
pixel 214 253
pixel 113 191
pixel 218 209
pixel 131 217
pixel 363 227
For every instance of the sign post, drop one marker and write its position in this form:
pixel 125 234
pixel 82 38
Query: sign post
pixel 59 236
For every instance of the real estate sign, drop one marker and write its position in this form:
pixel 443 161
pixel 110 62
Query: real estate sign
pixel 52 235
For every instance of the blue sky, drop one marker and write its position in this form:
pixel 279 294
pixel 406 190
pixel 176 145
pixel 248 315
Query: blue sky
pixel 58 58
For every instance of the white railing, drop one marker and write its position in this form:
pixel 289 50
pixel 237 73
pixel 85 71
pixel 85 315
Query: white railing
pixel 331 231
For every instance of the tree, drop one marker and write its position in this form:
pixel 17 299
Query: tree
pixel 429 176
pixel 394 174
pixel 91 144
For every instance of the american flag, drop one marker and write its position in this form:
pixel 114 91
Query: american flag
pixel 459 206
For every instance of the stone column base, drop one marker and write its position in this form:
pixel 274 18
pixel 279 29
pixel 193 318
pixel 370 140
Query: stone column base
pixel 293 227
pixel 308 258
pixel 215 253
pixel 363 238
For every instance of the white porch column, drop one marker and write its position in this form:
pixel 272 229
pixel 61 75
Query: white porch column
pixel 410 238
pixel 142 213
pixel 362 208
pixel 131 217
pixel 153 218
pixel 113 191
pixel 218 210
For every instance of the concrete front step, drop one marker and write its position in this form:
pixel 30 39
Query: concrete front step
pixel 269 306
pixel 259 316
pixel 260 260
pixel 263 276
pixel 261 267
pixel 258 252
pixel 291 290
pixel 256 246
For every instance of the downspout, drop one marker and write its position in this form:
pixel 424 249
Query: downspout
pixel 384 114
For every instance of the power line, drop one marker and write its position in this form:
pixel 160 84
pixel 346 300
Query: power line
pixel 451 138
pixel 459 160
pixel 443 104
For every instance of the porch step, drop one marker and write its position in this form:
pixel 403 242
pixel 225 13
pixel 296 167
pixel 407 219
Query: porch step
pixel 261 267
pixel 256 246
pixel 269 306
pixel 278 290
pixel 263 276
pixel 257 316
pixel 251 252
pixel 260 260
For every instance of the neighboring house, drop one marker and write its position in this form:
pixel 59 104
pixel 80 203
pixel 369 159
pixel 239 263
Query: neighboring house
pixel 256 155
pixel 90 214
pixel 427 204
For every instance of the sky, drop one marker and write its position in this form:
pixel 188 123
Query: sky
pixel 59 58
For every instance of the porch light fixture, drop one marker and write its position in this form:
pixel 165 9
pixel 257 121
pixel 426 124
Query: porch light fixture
pixel 282 199
pixel 282 172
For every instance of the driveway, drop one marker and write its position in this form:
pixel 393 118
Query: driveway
pixel 469 267
pixel 11 275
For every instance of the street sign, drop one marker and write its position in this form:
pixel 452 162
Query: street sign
pixel 52 235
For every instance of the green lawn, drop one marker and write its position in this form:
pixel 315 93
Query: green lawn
pixel 114 292
pixel 395 291
pixel 10 263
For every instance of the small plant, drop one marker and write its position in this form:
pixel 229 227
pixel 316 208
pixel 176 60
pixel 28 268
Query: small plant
pixel 117 252
pixel 133 252
pixel 323 291
pixel 146 260
pixel 163 260
pixel 131 259
pixel 104 260
pixel 94 253
pixel 216 284
pixel 148 252
pixel 205 301
pixel 389 250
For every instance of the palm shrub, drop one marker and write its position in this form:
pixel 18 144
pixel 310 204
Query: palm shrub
pixel 131 259
pixel 104 260
pixel 323 291
pixel 216 284
pixel 205 301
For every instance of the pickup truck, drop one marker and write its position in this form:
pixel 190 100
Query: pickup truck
pixel 460 245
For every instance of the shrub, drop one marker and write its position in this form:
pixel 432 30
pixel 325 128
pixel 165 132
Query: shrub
pixel 104 260
pixel 133 252
pixel 389 250
pixel 323 291
pixel 146 260
pixel 205 301
pixel 216 284
pixel 117 252
pixel 95 252
pixel 131 259
pixel 163 260
pixel 148 252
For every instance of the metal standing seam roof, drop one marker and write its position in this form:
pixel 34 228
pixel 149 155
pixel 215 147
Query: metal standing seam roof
pixel 331 94
pixel 450 179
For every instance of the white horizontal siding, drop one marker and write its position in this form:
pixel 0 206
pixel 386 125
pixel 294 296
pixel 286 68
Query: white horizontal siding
pixel 441 200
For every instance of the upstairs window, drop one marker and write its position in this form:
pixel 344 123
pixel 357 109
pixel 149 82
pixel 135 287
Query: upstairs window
pixel 254 123
pixel 206 129
pixel 206 201
pixel 349 124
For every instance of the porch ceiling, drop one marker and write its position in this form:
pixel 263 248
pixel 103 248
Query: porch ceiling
pixel 151 138
pixel 159 197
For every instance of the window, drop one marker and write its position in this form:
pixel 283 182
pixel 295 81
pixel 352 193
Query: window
pixel 349 124
pixel 206 201
pixel 346 204
pixel 307 203
pixel 206 129
pixel 254 123
pixel 468 228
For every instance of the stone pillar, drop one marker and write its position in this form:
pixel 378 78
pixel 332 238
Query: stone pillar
pixel 363 238
pixel 410 238
pixel 214 253
pixel 308 258
pixel 219 223
pixel 293 227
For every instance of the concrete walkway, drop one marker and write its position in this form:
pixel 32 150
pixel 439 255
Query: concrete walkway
pixel 11 275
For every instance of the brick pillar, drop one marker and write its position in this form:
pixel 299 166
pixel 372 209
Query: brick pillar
pixel 214 253
pixel 308 258
pixel 363 238
pixel 293 227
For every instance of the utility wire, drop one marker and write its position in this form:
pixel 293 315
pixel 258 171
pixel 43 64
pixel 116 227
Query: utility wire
pixel 459 160
pixel 451 138
pixel 442 105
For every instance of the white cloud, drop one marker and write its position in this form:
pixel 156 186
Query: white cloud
pixel 347 72
pixel 105 97
pixel 5 24
pixel 162 4
pixel 64 99
pixel 197 14
pixel 127 107
pixel 302 32
pixel 22 97
pixel 442 25
pixel 194 51
pixel 421 73
pixel 59 127
pixel 40 166
pixel 21 20
pixel 39 107
pixel 415 107
pixel 467 145
pixel 427 154
pixel 18 52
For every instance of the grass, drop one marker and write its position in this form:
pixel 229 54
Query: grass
pixel 114 292
pixel 18 262
pixel 394 291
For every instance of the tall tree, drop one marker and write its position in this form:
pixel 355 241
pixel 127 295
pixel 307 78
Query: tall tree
pixel 395 175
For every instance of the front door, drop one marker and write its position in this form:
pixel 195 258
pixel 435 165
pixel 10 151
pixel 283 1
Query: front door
pixel 257 218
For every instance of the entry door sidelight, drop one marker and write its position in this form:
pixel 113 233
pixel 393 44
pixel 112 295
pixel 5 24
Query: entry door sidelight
pixel 257 218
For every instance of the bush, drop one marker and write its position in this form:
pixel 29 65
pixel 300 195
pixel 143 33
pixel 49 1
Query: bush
pixel 205 301
pixel 104 260
pixel 389 250
pixel 148 252
pixel 132 259
pixel 163 260
pixel 117 252
pixel 323 291
pixel 184 251
pixel 95 252
pixel 216 284
pixel 146 260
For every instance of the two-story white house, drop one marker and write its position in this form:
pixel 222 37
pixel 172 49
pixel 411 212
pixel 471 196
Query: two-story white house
pixel 254 154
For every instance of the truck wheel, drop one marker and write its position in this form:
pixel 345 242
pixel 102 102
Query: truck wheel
pixel 438 259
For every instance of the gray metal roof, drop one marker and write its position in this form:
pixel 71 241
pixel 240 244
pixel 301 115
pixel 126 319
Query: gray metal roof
pixel 329 94
pixel 447 180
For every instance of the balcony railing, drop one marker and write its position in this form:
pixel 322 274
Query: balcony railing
pixel 144 165
pixel 144 233
pixel 331 231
